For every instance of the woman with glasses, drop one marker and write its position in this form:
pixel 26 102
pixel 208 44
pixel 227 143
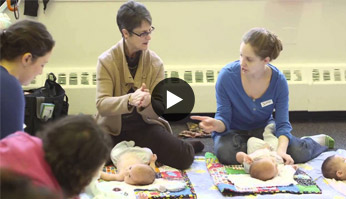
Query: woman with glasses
pixel 126 75
pixel 247 92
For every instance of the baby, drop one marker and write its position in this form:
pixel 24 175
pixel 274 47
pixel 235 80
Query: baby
pixel 334 167
pixel 135 165
pixel 262 162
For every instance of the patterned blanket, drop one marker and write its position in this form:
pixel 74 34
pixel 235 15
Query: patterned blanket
pixel 162 187
pixel 220 172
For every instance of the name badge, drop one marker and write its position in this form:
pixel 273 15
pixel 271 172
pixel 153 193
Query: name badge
pixel 266 103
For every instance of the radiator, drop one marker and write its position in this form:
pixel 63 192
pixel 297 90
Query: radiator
pixel 312 87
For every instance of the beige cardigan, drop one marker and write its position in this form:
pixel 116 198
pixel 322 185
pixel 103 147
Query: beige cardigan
pixel 114 80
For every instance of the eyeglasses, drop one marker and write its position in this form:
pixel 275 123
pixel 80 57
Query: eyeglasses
pixel 144 34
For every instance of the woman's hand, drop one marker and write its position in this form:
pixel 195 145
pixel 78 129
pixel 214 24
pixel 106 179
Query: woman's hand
pixel 209 124
pixel 141 97
pixel 287 158
pixel 146 98
pixel 282 148
pixel 146 101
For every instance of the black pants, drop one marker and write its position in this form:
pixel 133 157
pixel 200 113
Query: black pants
pixel 170 150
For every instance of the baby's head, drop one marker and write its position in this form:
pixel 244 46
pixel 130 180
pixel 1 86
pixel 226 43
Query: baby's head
pixel 263 169
pixel 334 167
pixel 139 174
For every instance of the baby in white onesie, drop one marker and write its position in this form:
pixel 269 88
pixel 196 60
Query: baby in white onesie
pixel 135 165
pixel 262 161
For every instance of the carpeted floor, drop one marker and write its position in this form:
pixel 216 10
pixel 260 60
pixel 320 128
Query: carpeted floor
pixel 303 125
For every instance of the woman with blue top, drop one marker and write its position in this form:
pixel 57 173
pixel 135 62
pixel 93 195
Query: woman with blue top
pixel 25 48
pixel 247 93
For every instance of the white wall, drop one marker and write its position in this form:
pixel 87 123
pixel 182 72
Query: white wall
pixel 204 33
pixel 199 32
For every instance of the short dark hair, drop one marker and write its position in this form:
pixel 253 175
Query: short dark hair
pixel 25 36
pixel 264 43
pixel 16 186
pixel 75 147
pixel 329 169
pixel 131 15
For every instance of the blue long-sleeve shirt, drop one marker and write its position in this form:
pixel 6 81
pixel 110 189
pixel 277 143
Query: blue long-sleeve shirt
pixel 12 104
pixel 238 111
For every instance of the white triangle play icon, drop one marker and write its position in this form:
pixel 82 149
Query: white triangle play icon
pixel 172 99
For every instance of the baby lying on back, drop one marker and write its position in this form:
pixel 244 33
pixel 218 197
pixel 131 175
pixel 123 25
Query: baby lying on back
pixel 262 164
pixel 334 167
pixel 135 165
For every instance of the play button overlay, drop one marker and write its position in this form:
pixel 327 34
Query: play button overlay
pixel 173 99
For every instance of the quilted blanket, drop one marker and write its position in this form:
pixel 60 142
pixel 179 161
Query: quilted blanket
pixel 220 173
pixel 169 183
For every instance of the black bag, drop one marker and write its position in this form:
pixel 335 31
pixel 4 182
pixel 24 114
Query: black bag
pixel 51 95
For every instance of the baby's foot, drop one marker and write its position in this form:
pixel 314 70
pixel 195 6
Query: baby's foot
pixel 142 196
